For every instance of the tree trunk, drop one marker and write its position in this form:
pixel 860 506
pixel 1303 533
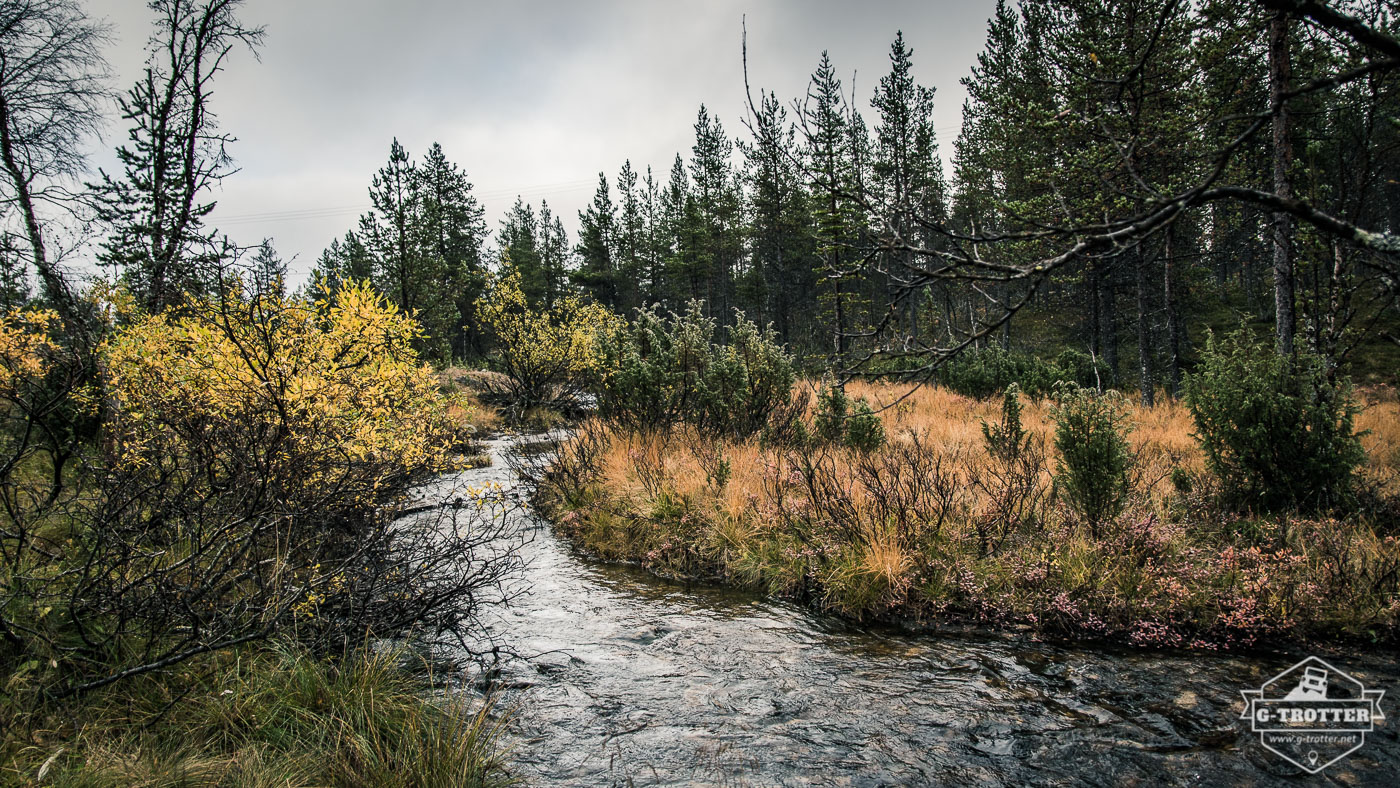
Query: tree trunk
pixel 1173 318
pixel 55 286
pixel 1282 161
pixel 1144 332
pixel 1108 322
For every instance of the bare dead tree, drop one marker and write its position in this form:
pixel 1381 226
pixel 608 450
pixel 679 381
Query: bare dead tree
pixel 52 88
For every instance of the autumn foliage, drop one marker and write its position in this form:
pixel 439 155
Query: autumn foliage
pixel 949 521
pixel 548 353
pixel 246 472
pixel 327 405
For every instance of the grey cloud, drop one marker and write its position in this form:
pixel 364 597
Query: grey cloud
pixel 530 98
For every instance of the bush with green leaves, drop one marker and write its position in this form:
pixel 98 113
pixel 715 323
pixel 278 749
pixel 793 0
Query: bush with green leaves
pixel 1006 439
pixel 663 370
pixel 1277 432
pixel 1090 435
pixel 853 424
pixel 829 423
pixel 1082 369
pixel 864 430
pixel 984 373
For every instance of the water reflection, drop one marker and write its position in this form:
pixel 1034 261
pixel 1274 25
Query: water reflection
pixel 630 680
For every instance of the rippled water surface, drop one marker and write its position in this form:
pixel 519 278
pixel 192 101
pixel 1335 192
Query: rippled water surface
pixel 629 680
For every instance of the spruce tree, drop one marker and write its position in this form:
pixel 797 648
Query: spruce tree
pixel 597 239
pixel 716 209
pixel 518 248
pixel 908 177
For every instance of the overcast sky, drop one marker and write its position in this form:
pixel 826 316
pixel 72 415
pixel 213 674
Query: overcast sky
pixel 529 98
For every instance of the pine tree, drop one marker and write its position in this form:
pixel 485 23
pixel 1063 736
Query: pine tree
pixel 156 210
pixel 831 163
pixel 553 246
pixel 267 271
pixel 908 175
pixel 780 233
pixel 518 246
pixel 453 226
pixel 688 255
pixel 597 273
pixel 345 260
pixel 654 245
pixel 630 240
pixel 716 209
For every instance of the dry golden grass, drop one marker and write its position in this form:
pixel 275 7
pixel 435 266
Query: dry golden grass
pixel 477 414
pixel 1162 437
pixel 1379 423
pixel 1174 570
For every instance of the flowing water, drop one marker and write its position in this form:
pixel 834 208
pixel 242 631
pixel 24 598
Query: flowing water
pixel 624 679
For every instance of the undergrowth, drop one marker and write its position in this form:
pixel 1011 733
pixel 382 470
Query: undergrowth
pixel 945 523
pixel 257 717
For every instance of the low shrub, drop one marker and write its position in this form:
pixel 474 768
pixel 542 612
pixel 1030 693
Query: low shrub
pixel 854 424
pixel 1006 439
pixel 1277 432
pixel 660 371
pixel 1011 485
pixel 547 355
pixel 984 373
pixel 829 424
pixel 864 430
pixel 252 479
pixel 949 523
pixel 1094 457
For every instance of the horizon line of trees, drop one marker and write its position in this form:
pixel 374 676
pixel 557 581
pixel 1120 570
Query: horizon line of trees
pixel 1082 117
pixel 1127 173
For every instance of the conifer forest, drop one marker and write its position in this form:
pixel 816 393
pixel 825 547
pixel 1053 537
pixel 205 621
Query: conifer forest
pixel 844 445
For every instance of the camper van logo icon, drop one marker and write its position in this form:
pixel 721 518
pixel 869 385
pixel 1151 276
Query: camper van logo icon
pixel 1313 714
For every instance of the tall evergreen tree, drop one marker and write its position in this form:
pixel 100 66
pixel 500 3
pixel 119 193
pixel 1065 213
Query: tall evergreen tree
pixel 630 240
pixel 553 246
pixel 175 155
pixel 836 193
pixel 597 273
pixel 716 208
pixel 518 246
pixel 781 240
pixel 454 229
pixel 267 271
pixel 908 175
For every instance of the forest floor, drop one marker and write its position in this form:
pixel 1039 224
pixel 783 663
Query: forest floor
pixel 932 529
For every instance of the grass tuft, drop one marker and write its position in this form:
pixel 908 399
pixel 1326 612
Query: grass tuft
pixel 269 717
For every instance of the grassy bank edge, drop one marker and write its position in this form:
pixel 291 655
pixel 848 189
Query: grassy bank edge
pixel 662 514
pixel 257 716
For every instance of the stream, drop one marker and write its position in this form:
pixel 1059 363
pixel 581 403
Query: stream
pixel 625 679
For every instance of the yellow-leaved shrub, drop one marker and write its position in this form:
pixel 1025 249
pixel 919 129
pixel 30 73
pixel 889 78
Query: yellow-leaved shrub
pixel 318 402
pixel 547 353
pixel 250 478
pixel 26 345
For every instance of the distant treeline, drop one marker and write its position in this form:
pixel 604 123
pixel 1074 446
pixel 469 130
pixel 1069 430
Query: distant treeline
pixel 1121 171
